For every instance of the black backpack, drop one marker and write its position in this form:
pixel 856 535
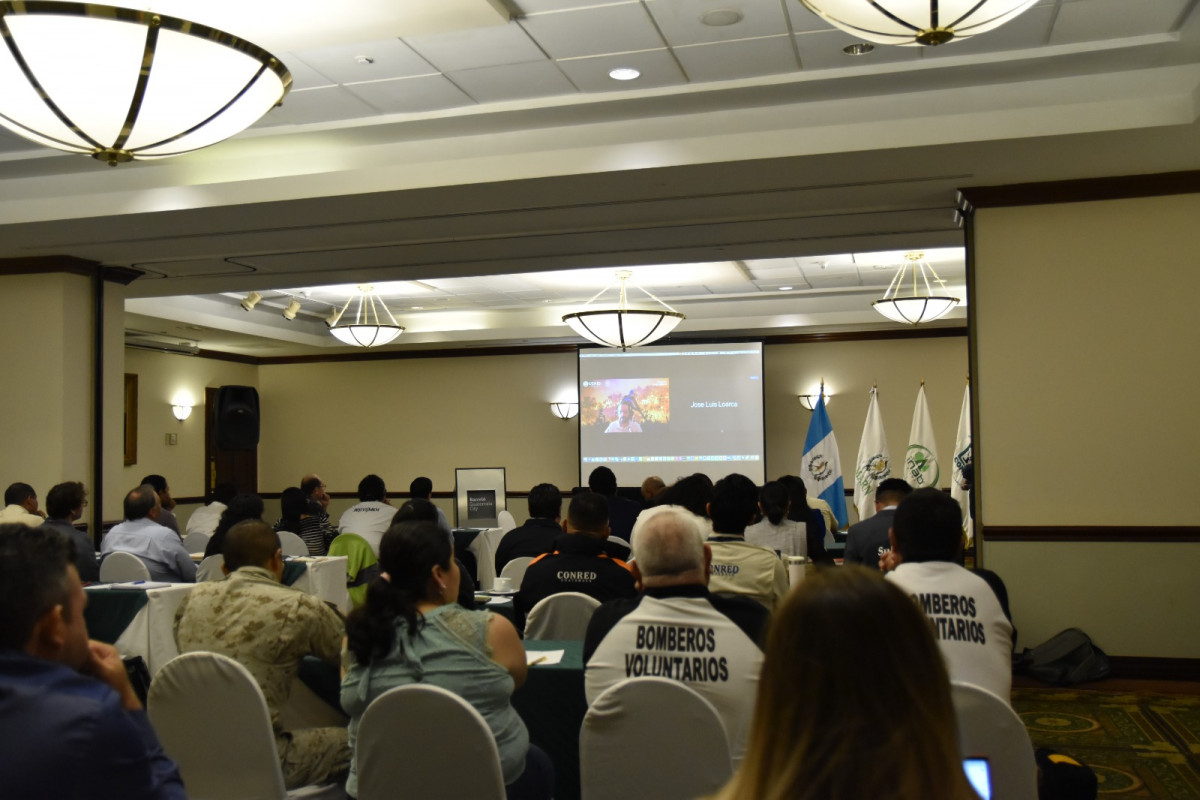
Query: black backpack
pixel 1066 658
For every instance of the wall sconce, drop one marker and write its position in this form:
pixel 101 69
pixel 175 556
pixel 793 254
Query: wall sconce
pixel 181 412
pixel 564 410
pixel 293 307
pixel 251 300
pixel 809 401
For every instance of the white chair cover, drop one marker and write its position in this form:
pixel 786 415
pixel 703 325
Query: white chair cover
pixel 210 569
pixel 989 728
pixel 197 542
pixel 118 567
pixel 291 544
pixel 396 754
pixel 652 737
pixel 561 616
pixel 505 520
pixel 515 569
pixel 620 541
pixel 211 718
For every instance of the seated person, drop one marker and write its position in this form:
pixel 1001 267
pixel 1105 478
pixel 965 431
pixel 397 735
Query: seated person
pixel 723 634
pixel 422 489
pixel 423 510
pixel 815 525
pixel 537 536
pixel 739 567
pixel 64 505
pixel 579 562
pixel 166 516
pixel 775 531
pixel 241 507
pixel 159 548
pixel 622 512
pixel 268 628
pixel 71 723
pixel 972 630
pixel 867 541
pixel 298 517
pixel 411 631
pixel 205 518
pixel 818 732
pixel 21 505
pixel 371 515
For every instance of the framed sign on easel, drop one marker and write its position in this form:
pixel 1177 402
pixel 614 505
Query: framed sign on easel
pixel 479 496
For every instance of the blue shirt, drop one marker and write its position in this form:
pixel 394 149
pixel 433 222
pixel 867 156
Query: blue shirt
pixel 160 548
pixel 67 736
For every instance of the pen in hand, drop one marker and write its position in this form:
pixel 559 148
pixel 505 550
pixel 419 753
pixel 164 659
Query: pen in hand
pixel 537 660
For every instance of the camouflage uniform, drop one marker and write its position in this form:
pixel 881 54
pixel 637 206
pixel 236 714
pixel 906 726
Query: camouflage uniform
pixel 267 628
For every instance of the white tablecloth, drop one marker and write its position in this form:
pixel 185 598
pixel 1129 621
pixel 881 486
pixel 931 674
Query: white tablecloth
pixel 484 547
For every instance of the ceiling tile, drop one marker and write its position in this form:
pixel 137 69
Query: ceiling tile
pixel 539 6
pixel 513 82
pixel 303 76
pixel 744 58
pixel 658 68
pixel 392 59
pixel 411 95
pixel 823 50
pixel 1108 19
pixel 480 47
pixel 802 19
pixel 594 31
pixel 303 106
pixel 679 20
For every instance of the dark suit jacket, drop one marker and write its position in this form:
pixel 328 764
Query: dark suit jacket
pixel 866 541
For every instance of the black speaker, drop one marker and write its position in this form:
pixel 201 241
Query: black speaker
pixel 237 418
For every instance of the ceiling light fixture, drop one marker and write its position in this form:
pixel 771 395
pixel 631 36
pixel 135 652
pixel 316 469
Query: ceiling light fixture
pixel 292 309
pixel 251 300
pixel 333 318
pixel 622 326
pixel 119 84
pixel 858 49
pixel 914 308
pixel 366 330
pixel 624 74
pixel 916 22
pixel 720 17
pixel 564 410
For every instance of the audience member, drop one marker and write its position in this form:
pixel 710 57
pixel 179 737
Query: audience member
pixel 159 548
pixel 972 630
pixel 166 516
pixel 71 723
pixel 411 631
pixel 815 526
pixel 775 531
pixel 693 493
pixel 677 629
pixel 315 492
pixel 651 487
pixel 538 534
pixel 241 507
pixel 578 562
pixel 425 511
pixel 819 733
pixel 205 518
pixel 21 505
pixel 422 489
pixel 64 505
pixel 622 512
pixel 867 542
pixel 298 518
pixel 739 567
pixel 372 515
pixel 268 628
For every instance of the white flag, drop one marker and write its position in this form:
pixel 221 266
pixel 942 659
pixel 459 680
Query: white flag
pixel 921 462
pixel 962 457
pixel 874 463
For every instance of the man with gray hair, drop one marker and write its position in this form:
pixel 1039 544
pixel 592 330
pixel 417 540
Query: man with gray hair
pixel 676 629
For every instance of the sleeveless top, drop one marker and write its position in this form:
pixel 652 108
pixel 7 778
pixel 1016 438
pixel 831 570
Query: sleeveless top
pixel 450 651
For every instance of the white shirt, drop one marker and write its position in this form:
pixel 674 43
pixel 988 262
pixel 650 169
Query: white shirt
pixel 16 513
pixel 205 518
pixel 739 567
pixel 972 632
pixel 370 520
pixel 788 537
pixel 616 427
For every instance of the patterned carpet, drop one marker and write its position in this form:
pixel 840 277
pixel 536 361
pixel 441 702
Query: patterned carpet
pixel 1140 744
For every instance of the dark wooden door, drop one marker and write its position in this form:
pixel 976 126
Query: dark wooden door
pixel 239 467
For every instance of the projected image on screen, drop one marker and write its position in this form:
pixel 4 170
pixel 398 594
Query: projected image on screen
pixel 694 408
pixel 625 405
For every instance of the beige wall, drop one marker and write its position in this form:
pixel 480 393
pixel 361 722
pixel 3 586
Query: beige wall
pixel 1087 387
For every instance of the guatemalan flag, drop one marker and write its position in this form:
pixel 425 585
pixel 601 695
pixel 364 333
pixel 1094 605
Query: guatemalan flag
pixel 822 468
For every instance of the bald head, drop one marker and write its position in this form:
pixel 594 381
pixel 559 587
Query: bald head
pixel 670 550
pixel 250 543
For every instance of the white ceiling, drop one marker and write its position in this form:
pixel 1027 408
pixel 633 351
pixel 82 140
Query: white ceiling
pixel 489 170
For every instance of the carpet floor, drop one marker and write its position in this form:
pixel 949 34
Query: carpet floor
pixel 1140 744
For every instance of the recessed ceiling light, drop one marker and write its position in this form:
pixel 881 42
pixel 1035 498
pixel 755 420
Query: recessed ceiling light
pixel 720 17
pixel 624 74
pixel 858 49
pixel 785 288
pixel 417 308
pixel 364 60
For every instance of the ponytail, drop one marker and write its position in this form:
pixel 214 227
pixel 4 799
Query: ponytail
pixel 371 628
pixel 773 498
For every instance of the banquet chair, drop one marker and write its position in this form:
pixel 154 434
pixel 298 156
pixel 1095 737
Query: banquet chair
pixel 117 567
pixel 210 569
pixel 989 728
pixel 211 718
pixel 291 544
pixel 652 737
pixel 391 751
pixel 362 565
pixel 196 542
pixel 561 616
pixel 515 569
pixel 505 520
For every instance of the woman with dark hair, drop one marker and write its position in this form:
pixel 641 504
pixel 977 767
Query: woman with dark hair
pixel 814 523
pixel 410 630
pixel 241 507
pixel 416 510
pixel 298 518
pixel 817 735
pixel 775 531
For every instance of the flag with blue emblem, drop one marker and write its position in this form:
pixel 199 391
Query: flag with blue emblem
pixel 821 468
